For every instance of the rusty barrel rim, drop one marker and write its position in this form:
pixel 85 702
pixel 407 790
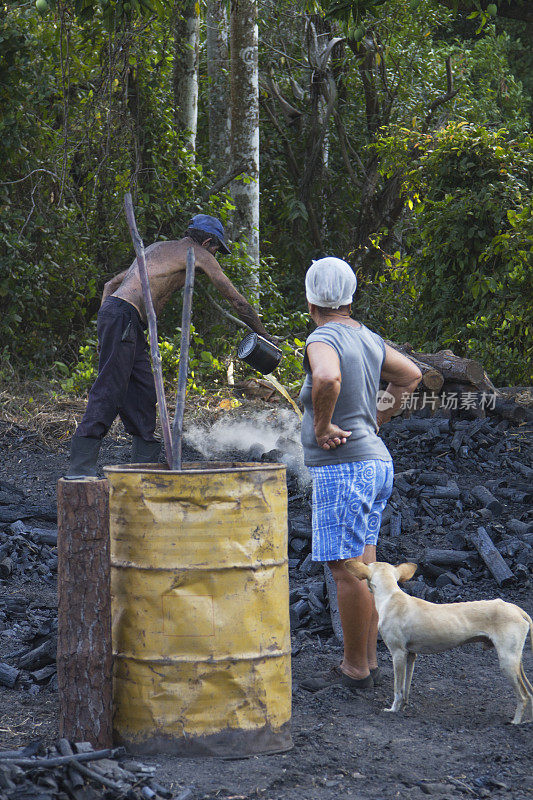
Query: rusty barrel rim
pixel 191 467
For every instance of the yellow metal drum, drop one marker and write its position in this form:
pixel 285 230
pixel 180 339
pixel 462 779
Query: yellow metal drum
pixel 199 584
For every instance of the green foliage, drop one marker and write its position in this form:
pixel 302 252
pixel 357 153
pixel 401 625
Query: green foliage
pixel 466 282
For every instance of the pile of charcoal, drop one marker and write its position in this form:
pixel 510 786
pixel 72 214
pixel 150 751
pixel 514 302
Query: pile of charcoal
pixel 79 772
pixel 27 550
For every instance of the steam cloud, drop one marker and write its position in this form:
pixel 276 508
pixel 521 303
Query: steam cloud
pixel 249 438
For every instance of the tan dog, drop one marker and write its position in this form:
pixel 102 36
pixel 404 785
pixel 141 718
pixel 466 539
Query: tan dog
pixel 409 626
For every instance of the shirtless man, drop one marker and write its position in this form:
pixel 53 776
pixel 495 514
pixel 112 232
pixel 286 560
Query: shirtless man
pixel 125 384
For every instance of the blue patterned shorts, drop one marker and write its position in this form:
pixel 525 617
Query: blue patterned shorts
pixel 348 501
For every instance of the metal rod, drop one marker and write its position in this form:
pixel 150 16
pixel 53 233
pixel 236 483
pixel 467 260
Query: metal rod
pixel 152 326
pixel 177 430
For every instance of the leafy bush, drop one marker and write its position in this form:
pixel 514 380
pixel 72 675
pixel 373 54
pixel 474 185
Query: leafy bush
pixel 465 281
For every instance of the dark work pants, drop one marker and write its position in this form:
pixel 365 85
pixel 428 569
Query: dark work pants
pixel 125 383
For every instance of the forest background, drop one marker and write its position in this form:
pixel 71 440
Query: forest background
pixel 395 134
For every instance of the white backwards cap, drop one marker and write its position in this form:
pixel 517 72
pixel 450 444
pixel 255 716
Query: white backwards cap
pixel 330 283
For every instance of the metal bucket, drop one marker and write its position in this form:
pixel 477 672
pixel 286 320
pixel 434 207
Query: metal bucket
pixel 199 585
pixel 261 354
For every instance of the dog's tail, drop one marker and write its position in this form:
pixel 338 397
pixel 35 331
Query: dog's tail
pixel 530 623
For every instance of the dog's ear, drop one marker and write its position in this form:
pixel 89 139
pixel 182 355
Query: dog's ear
pixel 358 569
pixel 405 572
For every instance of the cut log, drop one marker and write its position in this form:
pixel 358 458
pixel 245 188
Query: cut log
pixel 84 655
pixel 432 378
pixel 444 366
pixel 490 555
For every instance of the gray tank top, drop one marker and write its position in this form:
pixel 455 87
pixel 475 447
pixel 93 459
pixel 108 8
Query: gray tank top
pixel 361 354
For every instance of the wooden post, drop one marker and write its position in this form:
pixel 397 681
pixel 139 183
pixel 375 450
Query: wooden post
pixel 84 652
pixel 177 432
pixel 152 327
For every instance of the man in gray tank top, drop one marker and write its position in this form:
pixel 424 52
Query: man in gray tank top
pixel 349 463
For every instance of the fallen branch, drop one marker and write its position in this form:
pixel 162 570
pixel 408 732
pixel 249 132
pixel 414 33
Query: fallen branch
pixel 96 755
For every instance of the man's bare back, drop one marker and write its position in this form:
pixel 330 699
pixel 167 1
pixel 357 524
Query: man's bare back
pixel 166 263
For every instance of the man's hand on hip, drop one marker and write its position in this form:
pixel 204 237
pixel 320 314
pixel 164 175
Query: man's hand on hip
pixel 331 437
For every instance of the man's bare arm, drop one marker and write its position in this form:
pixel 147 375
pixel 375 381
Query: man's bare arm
pixel 242 307
pixel 113 284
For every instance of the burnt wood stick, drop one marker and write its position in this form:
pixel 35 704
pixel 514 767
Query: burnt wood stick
pixel 97 777
pixel 59 761
pixel 177 430
pixel 486 499
pixel 84 654
pixel 447 558
pixel 331 588
pixel 449 492
pixel 517 527
pixel 40 656
pixel 395 524
pixel 74 776
pixel 433 478
pixel 152 326
pixel 492 558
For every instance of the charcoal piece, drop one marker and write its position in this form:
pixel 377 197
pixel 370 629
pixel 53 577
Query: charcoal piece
pixel 334 614
pixel 446 579
pixel 41 675
pixel 8 675
pixel 40 656
pixel 447 558
pixel 515 496
pixel 430 570
pixel 310 567
pixel 457 441
pixel 524 470
pixel 255 452
pixel 44 536
pixel 490 555
pixel 387 514
pixel 395 524
pixel 449 492
pixel 300 609
pixel 298 545
pixel 6 567
pixel 301 528
pixel 273 456
pixel 402 485
pixel 486 499
pixel 457 540
pixel 518 527
pixel 416 589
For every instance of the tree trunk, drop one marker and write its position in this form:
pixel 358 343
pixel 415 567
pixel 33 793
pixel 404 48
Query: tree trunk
pixel 217 71
pixel 185 74
pixel 245 127
pixel 84 655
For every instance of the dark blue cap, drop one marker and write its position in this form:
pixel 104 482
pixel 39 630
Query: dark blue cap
pixel 212 226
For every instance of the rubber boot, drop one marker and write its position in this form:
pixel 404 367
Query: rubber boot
pixel 143 452
pixel 83 457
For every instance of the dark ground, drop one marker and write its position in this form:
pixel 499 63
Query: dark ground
pixel 453 741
